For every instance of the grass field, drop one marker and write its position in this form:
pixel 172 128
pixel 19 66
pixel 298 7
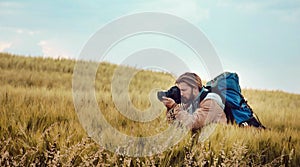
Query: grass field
pixel 39 125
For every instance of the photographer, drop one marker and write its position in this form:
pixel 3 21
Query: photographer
pixel 198 107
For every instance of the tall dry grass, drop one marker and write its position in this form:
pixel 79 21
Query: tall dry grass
pixel 39 125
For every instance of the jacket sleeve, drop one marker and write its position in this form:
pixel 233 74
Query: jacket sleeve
pixel 209 111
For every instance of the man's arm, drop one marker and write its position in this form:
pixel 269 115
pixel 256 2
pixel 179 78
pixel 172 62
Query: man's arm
pixel 209 111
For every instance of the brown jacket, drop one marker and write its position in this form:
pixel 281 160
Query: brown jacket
pixel 209 111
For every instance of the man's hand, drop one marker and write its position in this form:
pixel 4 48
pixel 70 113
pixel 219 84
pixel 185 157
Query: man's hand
pixel 177 109
pixel 172 113
pixel 168 102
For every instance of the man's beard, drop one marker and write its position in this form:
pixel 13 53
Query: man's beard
pixel 188 100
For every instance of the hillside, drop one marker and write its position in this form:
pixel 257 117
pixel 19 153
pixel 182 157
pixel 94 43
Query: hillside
pixel 39 125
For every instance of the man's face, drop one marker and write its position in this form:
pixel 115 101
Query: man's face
pixel 186 91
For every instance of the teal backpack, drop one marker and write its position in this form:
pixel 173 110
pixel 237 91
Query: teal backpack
pixel 236 109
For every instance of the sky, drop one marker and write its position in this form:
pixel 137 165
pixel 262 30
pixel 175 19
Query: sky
pixel 259 40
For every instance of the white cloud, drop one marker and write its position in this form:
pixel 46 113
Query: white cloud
pixel 9 4
pixel 9 8
pixel 288 10
pixel 249 6
pixel 243 6
pixel 19 31
pixel 51 48
pixel 294 17
pixel 190 10
pixel 4 45
pixel 33 32
pixel 27 32
pixel 289 16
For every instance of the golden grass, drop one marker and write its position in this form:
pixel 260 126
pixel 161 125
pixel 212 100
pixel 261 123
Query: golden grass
pixel 39 125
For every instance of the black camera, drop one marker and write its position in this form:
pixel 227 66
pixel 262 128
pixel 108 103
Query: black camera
pixel 173 93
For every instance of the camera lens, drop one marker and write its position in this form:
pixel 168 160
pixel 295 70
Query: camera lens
pixel 160 94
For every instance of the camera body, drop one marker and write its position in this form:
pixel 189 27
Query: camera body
pixel 173 93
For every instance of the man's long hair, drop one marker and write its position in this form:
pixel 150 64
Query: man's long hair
pixel 191 79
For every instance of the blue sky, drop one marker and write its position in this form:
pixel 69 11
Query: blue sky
pixel 260 40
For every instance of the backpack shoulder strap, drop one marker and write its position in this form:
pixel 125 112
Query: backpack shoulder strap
pixel 203 93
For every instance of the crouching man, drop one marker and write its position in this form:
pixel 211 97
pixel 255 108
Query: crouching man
pixel 198 107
